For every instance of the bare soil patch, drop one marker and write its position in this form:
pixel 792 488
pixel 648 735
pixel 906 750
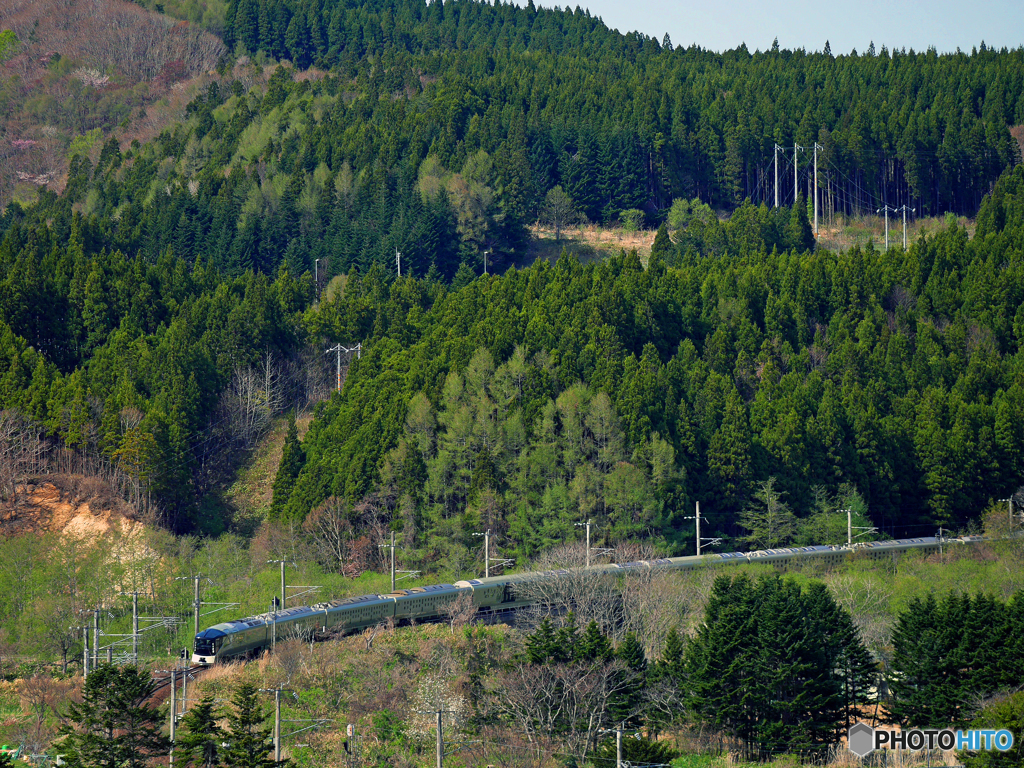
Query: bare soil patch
pixel 66 504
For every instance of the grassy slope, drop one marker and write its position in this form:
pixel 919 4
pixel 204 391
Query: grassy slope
pixel 252 491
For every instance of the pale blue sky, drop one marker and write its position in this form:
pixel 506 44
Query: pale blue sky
pixel 722 24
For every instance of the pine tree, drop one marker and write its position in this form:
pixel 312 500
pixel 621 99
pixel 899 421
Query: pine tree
pixel 662 247
pixel 114 726
pixel 542 645
pixel 627 704
pixel 249 740
pixel 594 645
pixel 292 458
pixel 198 744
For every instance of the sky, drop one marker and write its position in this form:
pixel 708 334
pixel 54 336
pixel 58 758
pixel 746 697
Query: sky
pixel 724 24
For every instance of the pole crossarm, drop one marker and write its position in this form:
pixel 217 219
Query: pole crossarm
pixel 223 607
pixel 308 589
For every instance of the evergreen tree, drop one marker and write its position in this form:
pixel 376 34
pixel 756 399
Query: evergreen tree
pixel 542 644
pixel 114 726
pixel 198 743
pixel 292 459
pixel 594 645
pixel 249 740
pixel 627 704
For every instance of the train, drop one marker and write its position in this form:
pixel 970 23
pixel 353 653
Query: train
pixel 496 595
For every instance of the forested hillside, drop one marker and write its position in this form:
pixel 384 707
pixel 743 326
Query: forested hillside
pixel 530 401
pixel 72 72
pixel 162 308
pixel 891 123
pixel 162 368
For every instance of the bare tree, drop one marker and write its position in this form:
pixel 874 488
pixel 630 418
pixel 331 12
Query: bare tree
pixel 568 703
pixel 563 583
pixel 460 611
pixel 866 597
pixel 334 539
pixel 42 697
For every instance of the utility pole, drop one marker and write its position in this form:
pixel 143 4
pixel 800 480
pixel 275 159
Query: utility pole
pixel 198 603
pixel 886 210
pixel 277 725
pixel 485 260
pixel 174 709
pixel 316 277
pixel 283 588
pixel 96 638
pixel 817 146
pixel 392 548
pixel 394 569
pixel 135 626
pixel 85 652
pixel 358 349
pixel 184 690
pixel 440 742
pixel 796 175
pixel 337 349
pixel 487 551
pixel 618 747
pixel 777 149
pixel 398 261
pixel 850 527
pixel 697 518
pixel 904 210
pixel 587 526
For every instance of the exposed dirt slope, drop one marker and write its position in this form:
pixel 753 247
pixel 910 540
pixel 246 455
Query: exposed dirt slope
pixel 70 505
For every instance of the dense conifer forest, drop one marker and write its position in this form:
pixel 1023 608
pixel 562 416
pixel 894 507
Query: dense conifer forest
pixel 160 310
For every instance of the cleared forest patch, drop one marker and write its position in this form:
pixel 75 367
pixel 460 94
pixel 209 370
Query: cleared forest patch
pixel 589 243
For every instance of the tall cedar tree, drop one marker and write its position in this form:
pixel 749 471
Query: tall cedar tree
pixel 198 743
pixel 249 740
pixel 952 651
pixel 114 726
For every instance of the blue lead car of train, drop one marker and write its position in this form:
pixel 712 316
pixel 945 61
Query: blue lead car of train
pixel 493 595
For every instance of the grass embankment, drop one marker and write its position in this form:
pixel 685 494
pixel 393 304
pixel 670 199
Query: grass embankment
pixel 845 232
pixel 253 490
pixel 382 680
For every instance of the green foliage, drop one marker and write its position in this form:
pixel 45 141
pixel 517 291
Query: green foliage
pixel 780 667
pixel 114 356
pixel 625 394
pixel 632 219
pixel 635 750
pixel 198 742
pixel 770 521
pixel 949 652
pixel 9 44
pixel 292 458
pixel 114 726
pixel 684 121
pixel 248 737
pixel 1002 712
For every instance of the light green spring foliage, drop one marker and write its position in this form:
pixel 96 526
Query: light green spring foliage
pixel 9 44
